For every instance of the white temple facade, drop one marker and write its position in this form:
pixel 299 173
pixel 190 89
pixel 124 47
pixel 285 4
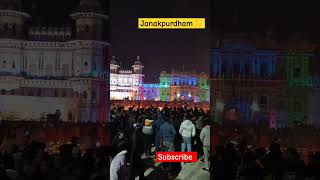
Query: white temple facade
pixel 126 83
pixel 48 69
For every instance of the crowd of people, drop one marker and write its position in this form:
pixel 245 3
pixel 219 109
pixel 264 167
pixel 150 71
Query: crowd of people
pixel 137 133
pixel 140 132
pixel 32 161
pixel 235 160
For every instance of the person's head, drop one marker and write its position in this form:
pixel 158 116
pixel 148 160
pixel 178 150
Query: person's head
pixel 207 122
pixel 121 134
pixel 260 152
pixel 166 116
pixel 122 145
pixel 275 149
pixel 187 116
pixel 292 153
pixel 76 152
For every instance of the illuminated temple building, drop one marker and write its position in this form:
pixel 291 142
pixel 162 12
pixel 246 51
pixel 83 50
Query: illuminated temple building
pixel 175 86
pixel 126 83
pixel 259 80
pixel 44 70
pixel 187 86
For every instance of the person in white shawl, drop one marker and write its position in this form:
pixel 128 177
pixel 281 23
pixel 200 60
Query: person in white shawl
pixel 119 169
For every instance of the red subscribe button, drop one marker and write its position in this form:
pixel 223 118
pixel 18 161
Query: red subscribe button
pixel 176 157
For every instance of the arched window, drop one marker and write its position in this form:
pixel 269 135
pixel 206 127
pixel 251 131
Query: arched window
pixel 263 100
pixel 39 92
pixel 94 66
pixel 236 68
pixel 297 106
pixel 247 68
pixel 264 70
pixel 85 63
pixel 84 94
pixel 4 64
pixel 30 93
pixel 14 29
pixel 13 65
pixel 87 28
pixel 224 68
pixel 5 27
pixel 93 95
pixel 56 93
pixel 64 93
pixel 296 72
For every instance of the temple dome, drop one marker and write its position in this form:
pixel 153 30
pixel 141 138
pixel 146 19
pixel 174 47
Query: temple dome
pixel 90 6
pixel 137 61
pixel 113 61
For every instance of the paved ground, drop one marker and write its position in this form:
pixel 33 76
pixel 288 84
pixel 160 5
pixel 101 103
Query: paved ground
pixel 192 171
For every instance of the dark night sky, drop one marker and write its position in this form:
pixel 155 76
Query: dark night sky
pixel 282 15
pixel 159 49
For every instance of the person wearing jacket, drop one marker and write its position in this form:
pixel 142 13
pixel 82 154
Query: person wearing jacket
pixel 156 130
pixel 167 134
pixel 147 136
pixel 205 139
pixel 187 130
